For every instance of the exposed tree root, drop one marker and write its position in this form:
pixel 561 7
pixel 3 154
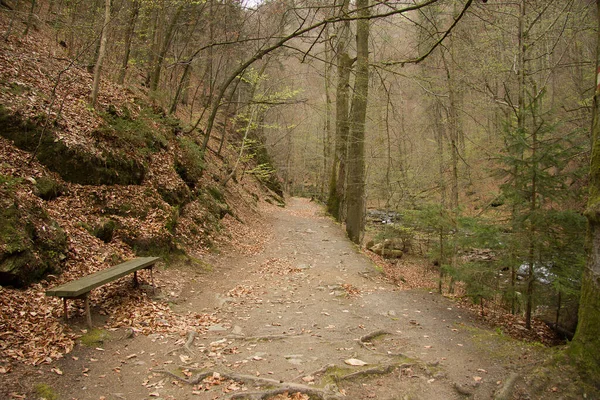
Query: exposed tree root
pixel 365 341
pixel 373 335
pixel 276 386
pixel 317 372
pixel 314 393
pixel 505 392
pixel 383 370
pixel 187 345
pixel 263 338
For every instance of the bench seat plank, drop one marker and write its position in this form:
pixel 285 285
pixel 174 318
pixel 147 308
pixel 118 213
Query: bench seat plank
pixel 83 285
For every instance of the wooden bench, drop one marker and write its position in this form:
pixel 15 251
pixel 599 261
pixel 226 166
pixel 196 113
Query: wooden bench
pixel 80 288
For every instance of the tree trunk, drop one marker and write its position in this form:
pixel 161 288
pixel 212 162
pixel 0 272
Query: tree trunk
pixel 101 53
pixel 586 343
pixel 356 144
pixel 164 48
pixel 135 9
pixel 337 184
pixel 29 18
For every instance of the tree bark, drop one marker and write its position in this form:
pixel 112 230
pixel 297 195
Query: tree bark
pixel 356 145
pixel 586 343
pixel 101 54
pixel 164 48
pixel 337 184
pixel 135 9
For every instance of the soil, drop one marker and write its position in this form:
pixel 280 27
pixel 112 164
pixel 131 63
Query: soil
pixel 297 310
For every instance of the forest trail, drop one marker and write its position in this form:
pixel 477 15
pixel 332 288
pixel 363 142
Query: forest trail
pixel 295 312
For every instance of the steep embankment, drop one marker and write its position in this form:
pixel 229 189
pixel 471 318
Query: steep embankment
pixel 82 189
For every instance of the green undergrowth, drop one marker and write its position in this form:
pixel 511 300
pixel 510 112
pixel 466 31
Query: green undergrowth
pixel 559 373
pixel 503 348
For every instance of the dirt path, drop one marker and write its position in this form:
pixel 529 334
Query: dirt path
pixel 289 312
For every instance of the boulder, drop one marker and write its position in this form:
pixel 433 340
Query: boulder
pixel 31 243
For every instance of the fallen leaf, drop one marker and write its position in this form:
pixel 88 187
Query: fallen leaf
pixel 56 370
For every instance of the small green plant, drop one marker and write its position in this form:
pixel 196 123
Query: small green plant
pixel 45 392
pixel 94 337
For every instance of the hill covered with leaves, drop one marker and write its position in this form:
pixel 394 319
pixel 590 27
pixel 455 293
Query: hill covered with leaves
pixel 84 188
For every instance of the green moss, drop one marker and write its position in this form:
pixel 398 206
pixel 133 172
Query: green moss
pixel 333 374
pixel 200 264
pixel 105 230
pixel 94 337
pixel 171 223
pixel 72 164
pixel 47 188
pixel 45 392
pixel 189 164
pixel 138 133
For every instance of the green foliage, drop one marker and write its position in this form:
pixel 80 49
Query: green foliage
pixel 405 234
pixel 9 182
pixel 263 172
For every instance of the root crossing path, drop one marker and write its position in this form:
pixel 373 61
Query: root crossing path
pixel 306 316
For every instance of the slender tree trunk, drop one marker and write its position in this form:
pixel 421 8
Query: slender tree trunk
pixel 101 54
pixel 439 131
pixel 164 48
pixel 135 10
pixel 328 160
pixel 180 88
pixel 356 144
pixel 29 18
pixel 586 343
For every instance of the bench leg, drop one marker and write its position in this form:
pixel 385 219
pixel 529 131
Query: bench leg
pixel 65 312
pixel 88 315
pixel 136 283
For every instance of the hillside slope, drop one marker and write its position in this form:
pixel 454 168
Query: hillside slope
pixel 82 189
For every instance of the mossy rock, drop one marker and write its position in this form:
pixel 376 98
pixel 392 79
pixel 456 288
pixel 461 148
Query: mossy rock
pixel 189 164
pixel 48 189
pixel 72 164
pixel 177 196
pixel 154 246
pixel 105 230
pixel 31 243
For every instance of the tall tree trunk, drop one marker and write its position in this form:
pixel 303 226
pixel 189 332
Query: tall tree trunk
pixel 29 18
pixel 164 48
pixel 183 82
pixel 135 9
pixel 328 134
pixel 337 183
pixel 439 137
pixel 101 53
pixel 586 343
pixel 356 143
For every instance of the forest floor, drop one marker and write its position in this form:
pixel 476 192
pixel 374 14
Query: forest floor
pixel 297 309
